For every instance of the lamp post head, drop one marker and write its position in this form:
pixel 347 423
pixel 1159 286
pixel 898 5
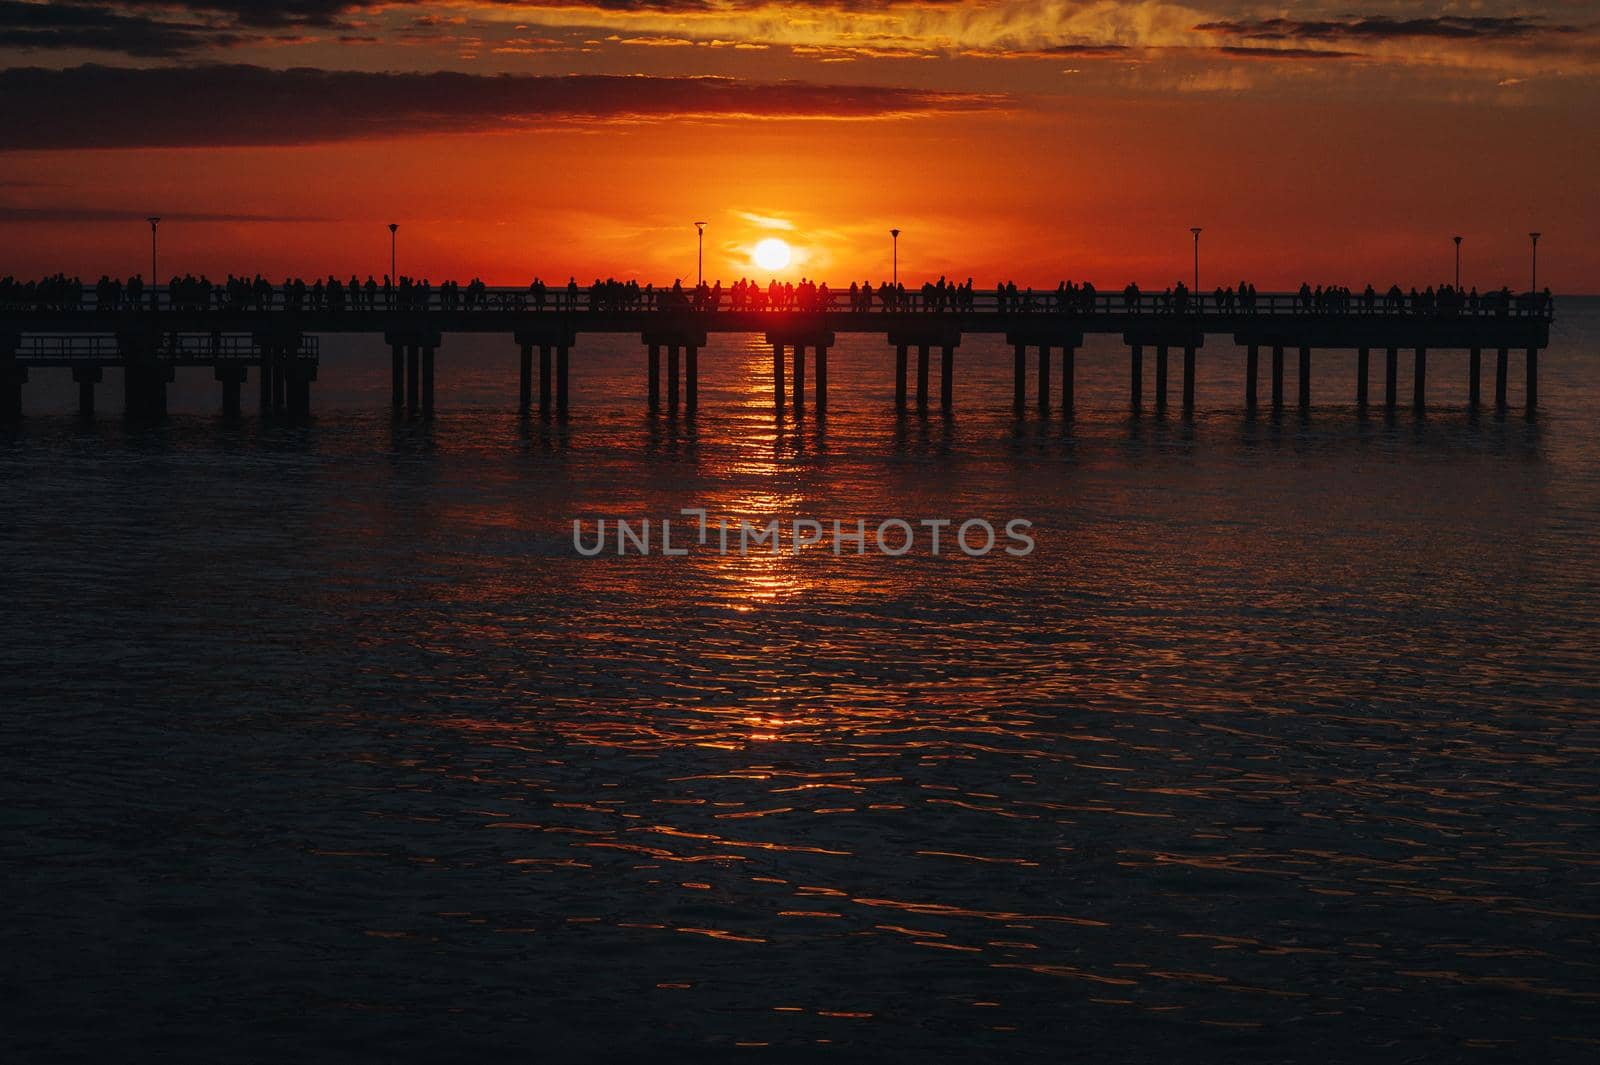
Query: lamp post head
pixel 1536 236
pixel 701 226
pixel 1457 240
pixel 1195 230
pixel 393 226
pixel 154 220
pixel 895 233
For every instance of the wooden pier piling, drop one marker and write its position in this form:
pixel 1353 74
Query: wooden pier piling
pixel 1419 381
pixel 1044 378
pixel 1188 380
pixel 1019 373
pixel 87 377
pixel 1069 367
pixel 799 379
pixel 900 360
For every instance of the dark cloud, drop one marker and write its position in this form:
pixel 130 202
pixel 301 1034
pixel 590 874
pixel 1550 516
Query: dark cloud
pixel 692 7
pixel 175 28
pixel 165 28
pixel 96 27
pixel 301 14
pixel 1450 27
pixel 1058 51
pixel 95 106
pixel 1244 52
pixel 335 14
pixel 102 214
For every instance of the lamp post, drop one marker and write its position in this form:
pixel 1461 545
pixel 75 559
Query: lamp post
pixel 155 300
pixel 1533 284
pixel 894 235
pixel 700 257
pixel 394 278
pixel 1196 231
pixel 1458 262
pixel 154 221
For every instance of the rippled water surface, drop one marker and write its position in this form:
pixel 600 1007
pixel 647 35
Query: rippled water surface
pixel 321 742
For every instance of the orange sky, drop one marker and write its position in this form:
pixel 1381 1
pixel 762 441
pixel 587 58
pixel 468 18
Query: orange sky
pixel 1031 141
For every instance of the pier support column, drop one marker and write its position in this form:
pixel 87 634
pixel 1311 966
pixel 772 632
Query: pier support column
pixel 922 377
pixel 691 378
pixel 563 353
pixel 525 378
pixel 397 374
pixel 777 376
pixel 1188 379
pixel 427 380
pixel 822 378
pixel 799 378
pixel 1391 373
pixel 1474 375
pixel 672 377
pixel 1305 379
pixel 1069 366
pixel 1419 381
pixel 89 376
pixel 1533 380
pixel 413 378
pixel 280 381
pixel 652 372
pixel 1044 378
pixel 264 367
pixel 1136 375
pixel 145 377
pixel 1252 365
pixel 12 378
pixel 1363 365
pixel 298 375
pixel 900 378
pixel 1277 377
pixel 1161 378
pixel 544 379
pixel 144 388
pixel 947 377
pixel 1502 358
pixel 1019 373
pixel 299 393
pixel 231 376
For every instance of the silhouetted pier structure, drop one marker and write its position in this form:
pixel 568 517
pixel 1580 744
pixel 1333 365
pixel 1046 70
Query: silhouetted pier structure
pixel 150 341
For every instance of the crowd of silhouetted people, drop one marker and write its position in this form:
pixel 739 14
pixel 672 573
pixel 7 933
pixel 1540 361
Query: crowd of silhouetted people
pixel 1444 302
pixel 62 293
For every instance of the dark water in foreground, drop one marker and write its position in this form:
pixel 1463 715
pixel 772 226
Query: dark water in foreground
pixel 321 744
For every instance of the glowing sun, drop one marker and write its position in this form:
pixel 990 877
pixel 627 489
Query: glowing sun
pixel 772 254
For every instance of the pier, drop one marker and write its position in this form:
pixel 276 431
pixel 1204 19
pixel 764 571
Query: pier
pixel 279 341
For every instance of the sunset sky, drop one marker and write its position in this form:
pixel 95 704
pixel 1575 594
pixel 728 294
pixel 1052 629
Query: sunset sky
pixel 1330 142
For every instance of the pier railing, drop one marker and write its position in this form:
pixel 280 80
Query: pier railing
pixel 68 349
pixel 612 300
